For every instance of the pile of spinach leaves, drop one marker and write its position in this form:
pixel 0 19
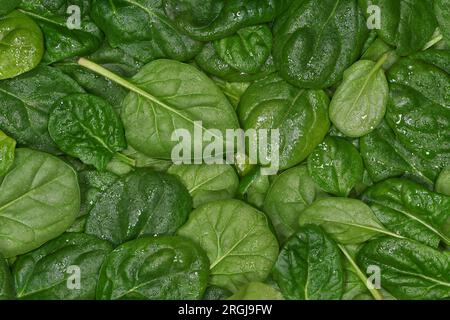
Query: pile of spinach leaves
pixel 93 207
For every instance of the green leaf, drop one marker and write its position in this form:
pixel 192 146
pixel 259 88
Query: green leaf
pixel 95 84
pixel 359 103
pixel 315 41
pixel 442 11
pixel 163 268
pixel 141 203
pixel 216 293
pixel 207 182
pixel 26 102
pixel 7 147
pixel 300 115
pixel 410 210
pixel 7 291
pixel 6 6
pixel 62 42
pixel 86 127
pixel 167 95
pixel 385 156
pixel 290 193
pixel 216 19
pixel 349 221
pixel 443 182
pixel 139 25
pixel 256 291
pixel 237 239
pixel 29 216
pixel 336 166
pixel 405 24
pixel 310 267
pixel 245 56
pixel 409 270
pixel 50 272
pixel 21 45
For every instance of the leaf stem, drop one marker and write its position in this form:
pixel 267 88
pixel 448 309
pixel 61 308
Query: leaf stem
pixel 437 36
pixel 375 293
pixel 124 159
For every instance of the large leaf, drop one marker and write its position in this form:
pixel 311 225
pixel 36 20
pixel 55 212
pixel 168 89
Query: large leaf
pixel 27 100
pixel 359 103
pixel 405 24
pixel 310 267
pixel 21 45
pixel 142 203
pixel 290 193
pixel 300 115
pixel 207 182
pixel 408 269
pixel 86 127
pixel 167 95
pixel 163 268
pixel 62 42
pixel 39 200
pixel 237 238
pixel 336 166
pixel 142 25
pixel 47 273
pixel 6 6
pixel 349 221
pixel 216 19
pixel 315 41
pixel 411 210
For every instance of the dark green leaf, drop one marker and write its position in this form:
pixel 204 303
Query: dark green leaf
pixel 163 268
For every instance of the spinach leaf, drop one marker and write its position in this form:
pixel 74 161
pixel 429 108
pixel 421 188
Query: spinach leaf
pixel 290 193
pixel 349 221
pixel 377 50
pixel 443 182
pixel 237 238
pixel 385 156
pixel 336 166
pixel 21 45
pixel 26 102
pixel 405 24
pixel 410 210
pixel 6 6
pixel 95 84
pixel 167 95
pixel 300 115
pixel 442 11
pixel 245 56
pixel 93 184
pixel 253 187
pixel 169 268
pixel 310 267
pixel 29 216
pixel 51 272
pixel 7 291
pixel 86 127
pixel 143 26
pixel 315 41
pixel 207 182
pixel 7 147
pixel 408 269
pixel 257 291
pixel 419 106
pixel 359 103
pixel 62 41
pixel 143 161
pixel 139 204
pixel 215 19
